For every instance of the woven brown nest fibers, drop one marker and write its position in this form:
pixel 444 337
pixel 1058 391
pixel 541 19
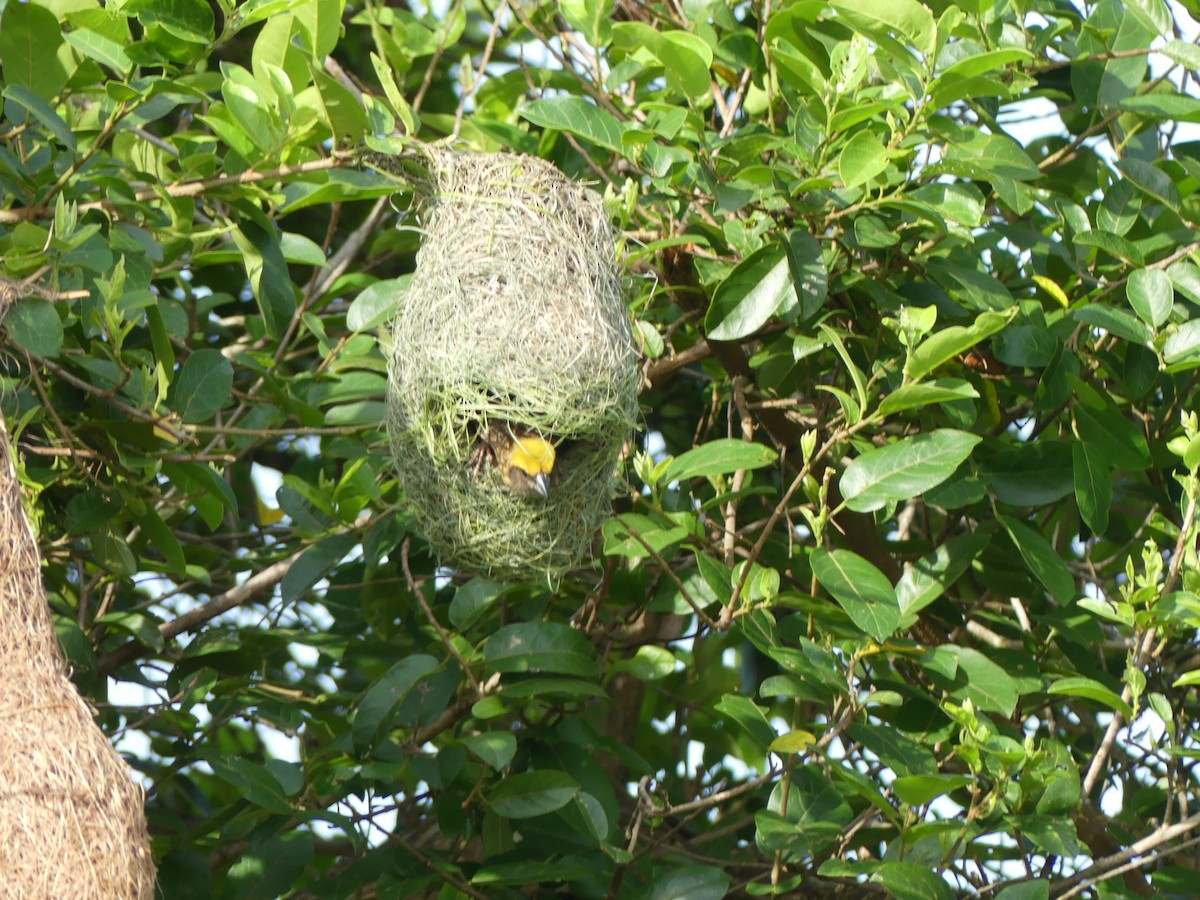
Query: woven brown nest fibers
pixel 514 316
pixel 71 817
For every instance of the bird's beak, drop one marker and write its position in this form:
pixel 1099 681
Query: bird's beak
pixel 541 483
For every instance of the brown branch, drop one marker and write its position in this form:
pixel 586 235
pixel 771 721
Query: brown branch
pixel 180 189
pixel 235 596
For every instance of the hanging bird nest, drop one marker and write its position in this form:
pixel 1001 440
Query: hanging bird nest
pixel 71 817
pixel 514 319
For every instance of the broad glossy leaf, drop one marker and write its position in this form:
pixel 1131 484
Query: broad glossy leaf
pixel 904 469
pixel 1112 244
pixel 100 48
pixel 862 159
pixel 950 342
pixel 929 577
pixel 914 396
pixel 376 304
pixel 1160 105
pixel 911 881
pixel 376 710
pixel 1151 295
pixel 917 790
pixel 1092 690
pixel 1183 347
pixel 1113 438
pixel 1031 474
pixel 749 718
pixel 776 278
pixel 860 588
pixel 314 564
pixel 30 36
pixel 203 385
pixel 579 117
pixel 1153 181
pixel 723 456
pixel 1039 555
pixel 42 111
pixel 496 748
pixel 972 675
pixel 986 156
pixel 34 325
pixel 540 647
pixel 529 794
pixel 911 20
pixel 689 882
pixel 1093 486
pixel 1185 53
pixel 188 20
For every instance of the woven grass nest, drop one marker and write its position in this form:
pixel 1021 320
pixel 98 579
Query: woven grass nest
pixel 514 316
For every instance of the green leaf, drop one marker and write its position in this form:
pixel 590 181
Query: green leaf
pixel 34 325
pixel 530 794
pixel 540 647
pixel 1045 564
pixel 863 158
pixel 203 385
pixel 907 18
pixel 375 712
pixel 591 18
pixel 929 577
pixel 104 51
pixel 750 294
pixel 1185 53
pixel 749 717
pixel 688 882
pixel 579 117
pixel 314 564
pixel 904 469
pixel 650 663
pixel 914 396
pixel 1117 441
pixel 1152 181
pixel 1093 486
pixel 262 256
pixel 376 304
pixel 496 748
pixel 1113 244
pixel 1183 346
pixel 30 36
pixel 630 534
pixel 188 20
pixel 269 870
pixel 253 781
pixel 971 675
pixel 473 599
pixel 1151 295
pixel 950 342
pixel 862 590
pixel 1092 690
pixel 911 881
pixel 917 790
pixel 987 156
pixel 1029 890
pixel 1164 105
pixel 684 57
pixel 776 278
pixel 720 457
pixel 344 114
pixel 1119 322
pixel 42 111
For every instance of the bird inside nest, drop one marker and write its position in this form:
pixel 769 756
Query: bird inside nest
pixel 524 458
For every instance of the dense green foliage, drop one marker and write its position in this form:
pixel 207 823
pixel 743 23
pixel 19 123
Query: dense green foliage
pixel 907 604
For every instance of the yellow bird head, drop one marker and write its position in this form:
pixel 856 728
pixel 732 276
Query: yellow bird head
pixel 527 464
